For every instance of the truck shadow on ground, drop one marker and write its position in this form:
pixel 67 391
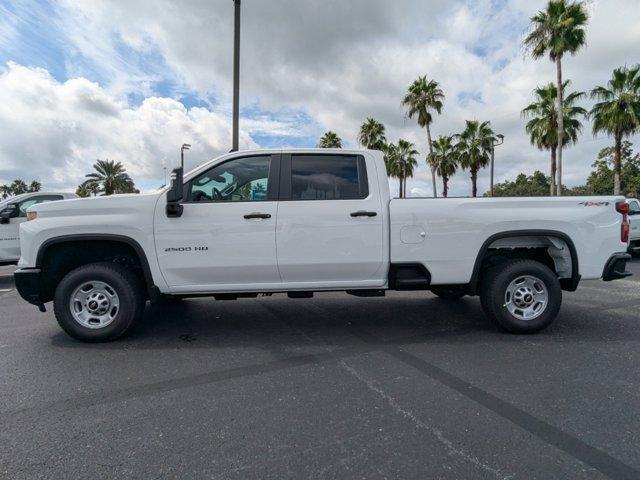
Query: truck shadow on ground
pixel 285 326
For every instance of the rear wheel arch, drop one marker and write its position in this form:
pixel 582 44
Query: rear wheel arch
pixel 58 256
pixel 551 241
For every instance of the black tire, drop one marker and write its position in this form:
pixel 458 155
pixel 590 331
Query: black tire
pixel 120 279
pixel 494 290
pixel 448 293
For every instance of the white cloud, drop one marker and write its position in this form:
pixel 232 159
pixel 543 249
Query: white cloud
pixel 55 131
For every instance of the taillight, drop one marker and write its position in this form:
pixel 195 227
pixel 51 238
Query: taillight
pixel 623 208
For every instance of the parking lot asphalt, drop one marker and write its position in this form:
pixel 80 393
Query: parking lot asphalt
pixel 407 386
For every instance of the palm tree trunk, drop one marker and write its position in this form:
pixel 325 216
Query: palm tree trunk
pixel 560 115
pixel 474 182
pixel 617 165
pixel 404 186
pixel 431 166
pixel 400 187
pixel 445 185
pixel 553 171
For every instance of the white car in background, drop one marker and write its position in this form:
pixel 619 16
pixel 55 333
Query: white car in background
pixel 634 224
pixel 13 211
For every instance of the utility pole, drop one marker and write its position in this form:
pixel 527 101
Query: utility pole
pixel 236 75
pixel 494 143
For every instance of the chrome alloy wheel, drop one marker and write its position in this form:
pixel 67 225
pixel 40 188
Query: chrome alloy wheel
pixel 94 304
pixel 526 297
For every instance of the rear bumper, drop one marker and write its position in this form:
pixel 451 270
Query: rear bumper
pixel 27 282
pixel 616 267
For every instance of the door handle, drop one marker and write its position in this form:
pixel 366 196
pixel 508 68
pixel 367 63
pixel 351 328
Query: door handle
pixel 257 215
pixel 363 213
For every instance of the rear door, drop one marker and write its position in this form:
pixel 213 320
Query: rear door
pixel 330 222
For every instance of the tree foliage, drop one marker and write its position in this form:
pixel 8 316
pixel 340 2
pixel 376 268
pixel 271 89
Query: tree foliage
pixel 445 160
pixel 330 140
pixel 617 113
pixel 109 177
pixel 372 135
pixel 601 178
pixel 19 186
pixel 422 100
pixel 536 185
pixel 474 149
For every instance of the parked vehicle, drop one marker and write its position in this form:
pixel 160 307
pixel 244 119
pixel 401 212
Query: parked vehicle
pixel 634 223
pixel 13 211
pixel 304 221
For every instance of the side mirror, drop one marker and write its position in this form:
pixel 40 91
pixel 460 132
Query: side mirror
pixel 174 194
pixel 8 213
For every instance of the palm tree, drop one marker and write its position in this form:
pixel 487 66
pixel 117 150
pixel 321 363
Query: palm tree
pixel 445 160
pixel 83 190
pixel 406 162
pixel 110 177
pixel 558 30
pixel 393 165
pixel 35 186
pixel 618 112
pixel 422 99
pixel 19 186
pixel 5 190
pixel 543 126
pixel 474 149
pixel 330 140
pixel 372 134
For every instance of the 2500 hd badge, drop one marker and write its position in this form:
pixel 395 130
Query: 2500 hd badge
pixel 186 249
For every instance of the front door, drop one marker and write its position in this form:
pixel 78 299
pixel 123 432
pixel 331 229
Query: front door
pixel 330 231
pixel 225 238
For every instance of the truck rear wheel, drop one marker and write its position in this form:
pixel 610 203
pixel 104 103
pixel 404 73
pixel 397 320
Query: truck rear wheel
pixel 98 302
pixel 521 296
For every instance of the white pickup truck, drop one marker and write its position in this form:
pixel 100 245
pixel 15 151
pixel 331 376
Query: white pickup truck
pixel 304 221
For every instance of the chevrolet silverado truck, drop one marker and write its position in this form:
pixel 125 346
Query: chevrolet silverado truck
pixel 305 221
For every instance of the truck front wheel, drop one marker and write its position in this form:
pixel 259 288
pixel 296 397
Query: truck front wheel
pixel 521 296
pixel 98 302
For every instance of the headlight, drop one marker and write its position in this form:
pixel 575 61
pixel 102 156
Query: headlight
pixel 32 215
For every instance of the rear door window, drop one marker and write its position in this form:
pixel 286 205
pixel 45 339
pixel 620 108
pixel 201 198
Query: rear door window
pixel 328 177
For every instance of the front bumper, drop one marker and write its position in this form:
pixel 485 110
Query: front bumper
pixel 27 282
pixel 616 267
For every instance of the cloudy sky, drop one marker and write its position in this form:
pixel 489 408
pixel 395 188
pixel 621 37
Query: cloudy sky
pixel 132 80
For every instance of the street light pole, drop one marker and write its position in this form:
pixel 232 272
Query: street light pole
pixel 236 75
pixel 494 144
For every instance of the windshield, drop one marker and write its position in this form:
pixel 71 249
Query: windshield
pixel 9 200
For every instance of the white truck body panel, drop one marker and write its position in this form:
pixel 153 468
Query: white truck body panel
pixel 317 245
pixel 456 229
